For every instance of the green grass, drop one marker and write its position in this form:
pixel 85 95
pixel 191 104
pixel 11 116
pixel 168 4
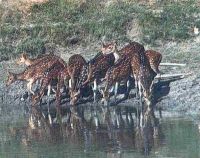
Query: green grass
pixel 174 22
pixel 60 21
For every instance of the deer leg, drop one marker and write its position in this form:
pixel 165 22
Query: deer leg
pixel 136 86
pixel 127 89
pixel 58 100
pixel 29 86
pixel 38 97
pixel 48 103
pixel 141 104
pixel 70 83
pixel 106 96
pixel 112 89
pixel 116 88
pixel 95 90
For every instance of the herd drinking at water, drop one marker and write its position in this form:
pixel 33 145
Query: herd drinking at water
pixel 110 66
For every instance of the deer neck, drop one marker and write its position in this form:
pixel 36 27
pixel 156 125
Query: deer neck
pixel 117 55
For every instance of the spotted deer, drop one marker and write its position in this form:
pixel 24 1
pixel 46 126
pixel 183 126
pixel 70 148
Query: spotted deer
pixel 117 73
pixel 94 71
pixel 31 73
pixel 125 55
pixel 76 65
pixel 57 70
pixel 69 74
pixel 141 67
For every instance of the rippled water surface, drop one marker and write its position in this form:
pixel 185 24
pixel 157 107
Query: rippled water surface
pixel 114 136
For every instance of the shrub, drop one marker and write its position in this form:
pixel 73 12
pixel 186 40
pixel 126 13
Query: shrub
pixel 33 46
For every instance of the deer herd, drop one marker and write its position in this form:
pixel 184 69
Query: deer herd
pixel 110 66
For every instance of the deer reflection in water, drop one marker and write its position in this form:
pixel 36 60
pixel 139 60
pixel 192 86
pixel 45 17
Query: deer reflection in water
pixel 114 132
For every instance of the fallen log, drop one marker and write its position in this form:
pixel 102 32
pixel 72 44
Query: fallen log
pixel 181 75
pixel 172 64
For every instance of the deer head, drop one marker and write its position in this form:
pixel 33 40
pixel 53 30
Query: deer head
pixel 22 59
pixel 147 84
pixel 109 48
pixel 11 78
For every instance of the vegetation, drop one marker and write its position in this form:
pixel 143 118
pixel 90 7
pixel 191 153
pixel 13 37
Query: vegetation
pixel 67 22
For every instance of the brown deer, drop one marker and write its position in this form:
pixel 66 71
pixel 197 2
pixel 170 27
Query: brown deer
pixel 75 65
pixel 123 56
pixel 24 59
pixel 141 68
pixel 95 70
pixel 117 73
pixel 32 73
pixel 69 73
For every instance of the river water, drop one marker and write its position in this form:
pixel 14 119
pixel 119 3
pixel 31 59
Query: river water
pixel 109 133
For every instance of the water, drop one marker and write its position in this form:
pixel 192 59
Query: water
pixel 103 134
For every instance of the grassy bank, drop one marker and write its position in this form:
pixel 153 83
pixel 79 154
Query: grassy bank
pixel 67 23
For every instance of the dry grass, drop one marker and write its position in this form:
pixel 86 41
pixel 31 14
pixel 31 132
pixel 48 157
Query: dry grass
pixel 23 5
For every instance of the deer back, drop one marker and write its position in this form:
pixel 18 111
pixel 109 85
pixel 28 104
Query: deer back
pixel 99 66
pixel 120 70
pixel 154 59
pixel 38 70
pixel 75 64
pixel 132 48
